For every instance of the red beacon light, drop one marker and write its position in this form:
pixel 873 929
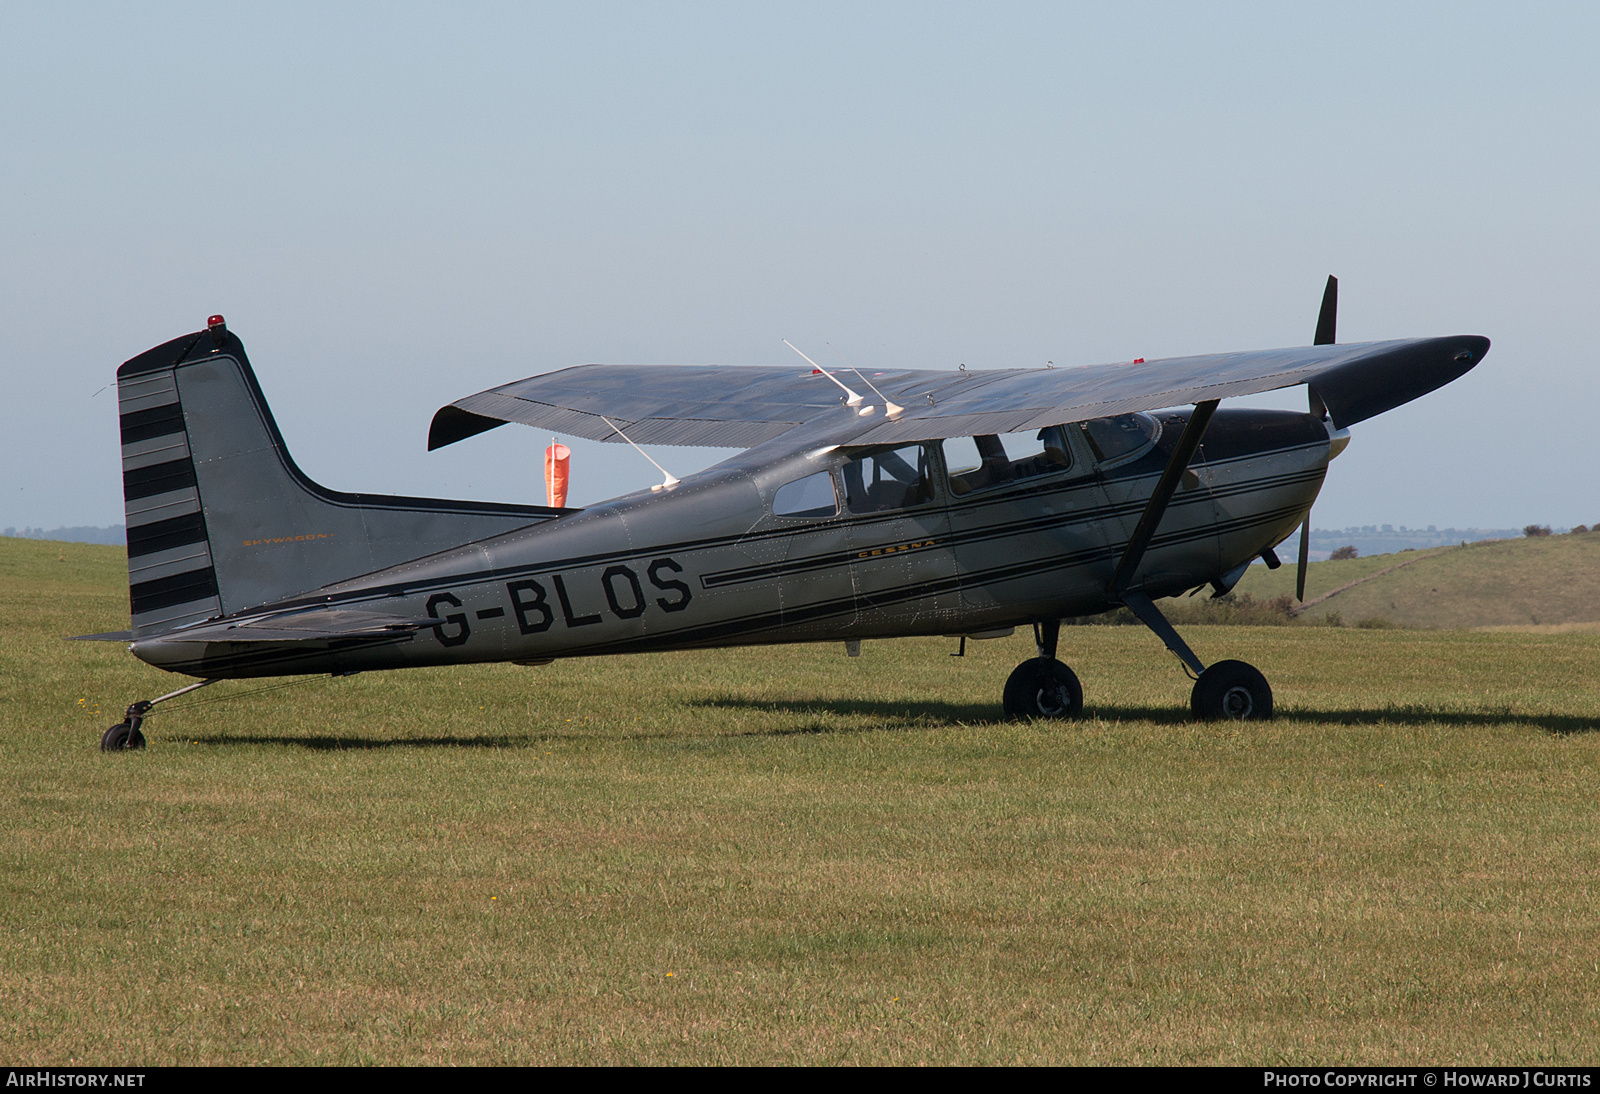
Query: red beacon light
pixel 215 321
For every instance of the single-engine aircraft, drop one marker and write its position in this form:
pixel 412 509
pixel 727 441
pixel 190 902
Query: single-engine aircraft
pixel 909 502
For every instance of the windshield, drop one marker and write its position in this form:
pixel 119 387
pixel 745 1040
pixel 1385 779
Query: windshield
pixel 1112 439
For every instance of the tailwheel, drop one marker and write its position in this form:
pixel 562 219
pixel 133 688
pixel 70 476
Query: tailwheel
pixel 1043 688
pixel 125 735
pixel 122 737
pixel 1231 690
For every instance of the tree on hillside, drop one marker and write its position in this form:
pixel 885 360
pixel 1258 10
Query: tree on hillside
pixel 1533 530
pixel 1343 553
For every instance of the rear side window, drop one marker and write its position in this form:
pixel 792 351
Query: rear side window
pixel 894 478
pixel 812 496
pixel 978 463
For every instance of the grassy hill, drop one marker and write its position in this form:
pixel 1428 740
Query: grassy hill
pixel 1544 581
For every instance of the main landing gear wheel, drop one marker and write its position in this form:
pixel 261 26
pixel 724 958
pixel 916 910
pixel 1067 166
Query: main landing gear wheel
pixel 121 737
pixel 1043 688
pixel 1231 690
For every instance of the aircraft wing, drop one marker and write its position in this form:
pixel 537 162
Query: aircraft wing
pixel 742 406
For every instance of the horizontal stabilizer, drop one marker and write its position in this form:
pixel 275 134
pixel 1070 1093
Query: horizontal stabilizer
pixel 311 625
pixel 108 636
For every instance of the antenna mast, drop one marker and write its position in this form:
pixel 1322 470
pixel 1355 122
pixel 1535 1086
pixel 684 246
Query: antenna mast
pixel 852 400
pixel 890 407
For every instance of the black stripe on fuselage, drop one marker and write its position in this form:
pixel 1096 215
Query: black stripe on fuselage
pixel 791 616
pixel 163 535
pixel 1002 529
pixel 159 478
pixel 163 592
pixel 155 421
pixel 787 617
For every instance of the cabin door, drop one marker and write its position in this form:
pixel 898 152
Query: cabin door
pixel 1028 519
pixel 902 569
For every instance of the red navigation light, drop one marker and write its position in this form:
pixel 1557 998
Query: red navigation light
pixel 1138 360
pixel 215 321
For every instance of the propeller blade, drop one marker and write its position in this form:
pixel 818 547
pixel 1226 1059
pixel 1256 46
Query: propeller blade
pixel 1305 559
pixel 1328 317
pixel 1327 327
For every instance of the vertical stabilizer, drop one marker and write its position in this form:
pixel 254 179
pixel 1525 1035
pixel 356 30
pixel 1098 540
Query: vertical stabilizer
pixel 219 517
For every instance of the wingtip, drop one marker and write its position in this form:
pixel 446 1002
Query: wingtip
pixel 451 424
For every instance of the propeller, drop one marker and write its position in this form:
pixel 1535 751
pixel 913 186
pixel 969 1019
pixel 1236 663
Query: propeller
pixel 1327 325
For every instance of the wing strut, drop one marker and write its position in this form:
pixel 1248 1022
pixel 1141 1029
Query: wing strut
pixel 1156 508
pixel 1141 605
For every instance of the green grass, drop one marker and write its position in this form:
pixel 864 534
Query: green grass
pixel 1549 580
pixel 783 856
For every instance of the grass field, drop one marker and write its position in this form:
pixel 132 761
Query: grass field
pixel 784 856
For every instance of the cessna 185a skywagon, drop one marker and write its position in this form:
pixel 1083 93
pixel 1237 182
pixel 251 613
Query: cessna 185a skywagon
pixel 901 503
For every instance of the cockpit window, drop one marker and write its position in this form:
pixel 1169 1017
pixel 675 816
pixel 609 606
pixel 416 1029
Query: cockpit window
pixel 895 478
pixel 1114 438
pixel 812 496
pixel 978 463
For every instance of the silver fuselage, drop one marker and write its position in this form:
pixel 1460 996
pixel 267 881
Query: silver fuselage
pixel 707 563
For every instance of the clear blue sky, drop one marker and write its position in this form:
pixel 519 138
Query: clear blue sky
pixel 399 205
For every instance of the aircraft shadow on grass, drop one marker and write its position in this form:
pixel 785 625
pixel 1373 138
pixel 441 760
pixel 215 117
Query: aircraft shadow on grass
pixel 891 717
pixel 921 715
pixel 368 744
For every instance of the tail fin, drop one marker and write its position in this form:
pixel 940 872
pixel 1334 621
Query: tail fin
pixel 219 517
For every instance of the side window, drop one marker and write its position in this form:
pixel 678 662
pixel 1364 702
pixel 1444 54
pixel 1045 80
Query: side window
pixel 1113 438
pixel 812 496
pixel 978 463
pixel 895 478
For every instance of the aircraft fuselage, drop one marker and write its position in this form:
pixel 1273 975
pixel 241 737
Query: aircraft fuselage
pixel 708 562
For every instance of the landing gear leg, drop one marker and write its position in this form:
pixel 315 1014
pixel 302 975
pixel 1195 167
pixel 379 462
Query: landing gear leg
pixel 1045 637
pixel 125 735
pixel 1043 687
pixel 1229 690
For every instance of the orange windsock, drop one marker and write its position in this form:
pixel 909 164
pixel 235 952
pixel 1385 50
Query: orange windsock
pixel 556 459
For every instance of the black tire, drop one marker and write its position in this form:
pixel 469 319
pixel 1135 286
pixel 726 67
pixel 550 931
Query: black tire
pixel 1231 691
pixel 1043 688
pixel 120 738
